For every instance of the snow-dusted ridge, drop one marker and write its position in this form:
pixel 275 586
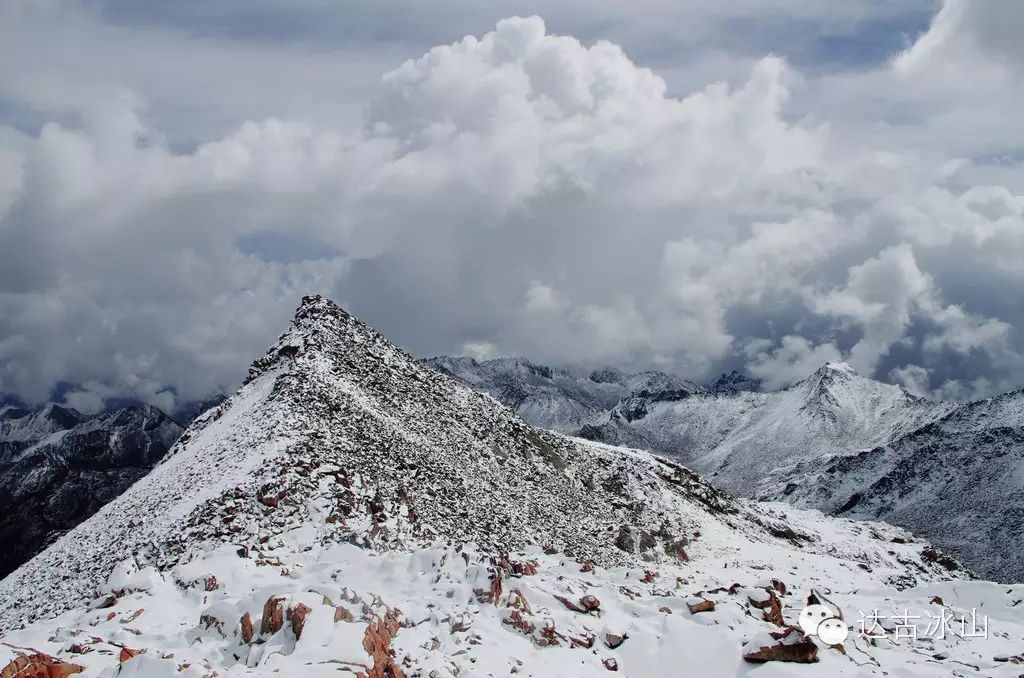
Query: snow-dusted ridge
pixel 415 527
pixel 957 481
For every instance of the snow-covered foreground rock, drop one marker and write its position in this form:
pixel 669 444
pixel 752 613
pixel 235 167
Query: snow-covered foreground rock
pixel 350 511
pixel 294 608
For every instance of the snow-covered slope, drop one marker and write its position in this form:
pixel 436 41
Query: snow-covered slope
pixel 740 439
pixel 727 430
pixel 352 512
pixel 58 466
pixel 559 399
pixel 958 481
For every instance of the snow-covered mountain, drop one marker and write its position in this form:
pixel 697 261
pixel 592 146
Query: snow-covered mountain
pixel 742 440
pixel 58 466
pixel 958 481
pixel 351 511
pixel 846 444
pixel 559 399
pixel 727 430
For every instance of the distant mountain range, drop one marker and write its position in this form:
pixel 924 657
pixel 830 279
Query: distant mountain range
pixel 59 466
pixel 835 441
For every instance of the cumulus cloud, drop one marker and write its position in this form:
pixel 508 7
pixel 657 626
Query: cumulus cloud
pixel 794 358
pixel 519 192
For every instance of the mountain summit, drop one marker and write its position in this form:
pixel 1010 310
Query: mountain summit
pixel 351 510
pixel 338 431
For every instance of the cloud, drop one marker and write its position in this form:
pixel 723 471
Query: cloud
pixel 520 192
pixel 793 359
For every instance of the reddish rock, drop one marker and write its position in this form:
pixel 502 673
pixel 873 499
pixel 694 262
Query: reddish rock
pixel 341 613
pixel 297 616
pixel 611 664
pixel 701 606
pixel 495 593
pixel 773 614
pixel 586 642
pixel 788 645
pixel 516 620
pixel 273 616
pixel 575 607
pixel 245 623
pixel 211 583
pixel 590 603
pixel 126 654
pixel 377 643
pixel 272 502
pixel 39 665
pixel 937 600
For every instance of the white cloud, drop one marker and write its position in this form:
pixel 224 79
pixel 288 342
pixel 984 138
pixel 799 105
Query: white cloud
pixel 793 359
pixel 518 192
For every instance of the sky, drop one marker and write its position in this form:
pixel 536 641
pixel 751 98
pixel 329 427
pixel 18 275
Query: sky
pixel 764 185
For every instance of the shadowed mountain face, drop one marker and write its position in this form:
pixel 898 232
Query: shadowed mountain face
pixel 58 467
pixel 559 399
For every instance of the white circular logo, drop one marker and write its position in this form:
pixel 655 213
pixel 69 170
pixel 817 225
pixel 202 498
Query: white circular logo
pixel 820 621
pixel 833 631
pixel 811 616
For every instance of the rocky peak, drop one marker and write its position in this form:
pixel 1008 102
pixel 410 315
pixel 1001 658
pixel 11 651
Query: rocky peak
pixel 344 437
pixel 607 375
pixel 734 382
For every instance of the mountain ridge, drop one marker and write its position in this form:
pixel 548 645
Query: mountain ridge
pixel 324 401
pixel 349 509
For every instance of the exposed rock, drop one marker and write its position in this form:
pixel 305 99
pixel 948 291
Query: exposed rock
pixel 377 643
pixel 39 665
pixel 788 645
pixel 297 616
pixel 245 626
pixel 273 616
pixel 127 653
pixel 613 640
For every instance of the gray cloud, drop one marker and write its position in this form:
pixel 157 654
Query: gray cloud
pixel 518 192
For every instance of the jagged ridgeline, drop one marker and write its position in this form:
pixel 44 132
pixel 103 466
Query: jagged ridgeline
pixel 343 436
